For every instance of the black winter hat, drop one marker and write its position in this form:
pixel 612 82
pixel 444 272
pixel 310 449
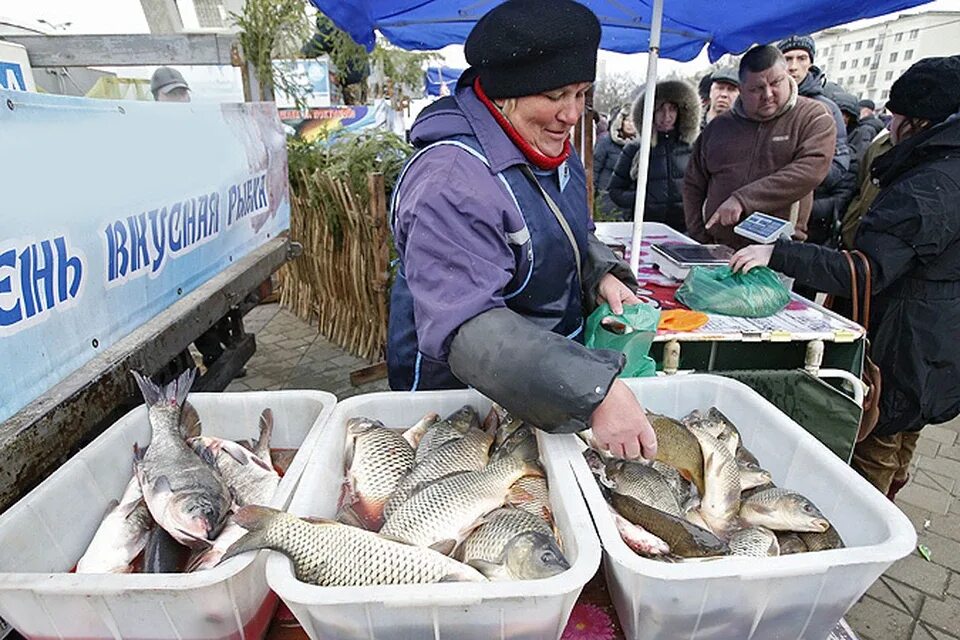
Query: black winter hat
pixel 703 87
pixel 728 75
pixel 868 103
pixel 524 47
pixel 798 42
pixel 930 89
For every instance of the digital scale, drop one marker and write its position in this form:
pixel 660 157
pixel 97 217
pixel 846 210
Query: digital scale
pixel 675 259
pixel 764 228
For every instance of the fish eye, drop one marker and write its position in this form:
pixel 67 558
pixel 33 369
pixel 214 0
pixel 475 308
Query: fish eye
pixel 547 557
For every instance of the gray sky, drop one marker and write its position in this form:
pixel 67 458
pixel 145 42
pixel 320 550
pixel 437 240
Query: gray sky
pixel 126 16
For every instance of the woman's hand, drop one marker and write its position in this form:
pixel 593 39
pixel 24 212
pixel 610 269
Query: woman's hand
pixel 621 427
pixel 756 255
pixel 615 294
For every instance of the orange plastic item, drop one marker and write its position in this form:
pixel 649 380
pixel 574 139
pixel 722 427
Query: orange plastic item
pixel 681 320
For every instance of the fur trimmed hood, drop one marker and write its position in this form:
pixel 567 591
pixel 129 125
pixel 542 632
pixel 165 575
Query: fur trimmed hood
pixel 682 94
pixel 617 123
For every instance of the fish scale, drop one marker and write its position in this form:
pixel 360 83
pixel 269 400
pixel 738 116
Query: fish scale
pixel 643 482
pixel 442 511
pixel 782 510
pixel 334 554
pixel 469 453
pixel 532 494
pixel 488 541
pixel 754 542
pixel 378 458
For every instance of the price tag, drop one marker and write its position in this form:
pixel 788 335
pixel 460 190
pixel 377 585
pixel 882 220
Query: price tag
pixel 844 335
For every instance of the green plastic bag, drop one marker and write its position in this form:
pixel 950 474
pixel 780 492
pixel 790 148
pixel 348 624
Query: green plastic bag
pixel 755 294
pixel 630 333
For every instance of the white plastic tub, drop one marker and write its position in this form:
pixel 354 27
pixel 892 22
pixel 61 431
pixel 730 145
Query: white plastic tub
pixel 785 598
pixel 45 533
pixel 480 611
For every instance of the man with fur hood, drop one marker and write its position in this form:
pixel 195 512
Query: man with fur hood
pixel 677 124
pixel 605 156
pixel 766 154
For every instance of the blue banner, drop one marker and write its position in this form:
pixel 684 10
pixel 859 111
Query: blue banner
pixel 441 81
pixel 112 211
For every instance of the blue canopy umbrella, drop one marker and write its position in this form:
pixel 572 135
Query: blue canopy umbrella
pixel 676 29
pixel 441 80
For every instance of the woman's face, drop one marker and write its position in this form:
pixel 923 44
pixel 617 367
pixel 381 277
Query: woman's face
pixel 545 119
pixel 628 128
pixel 665 117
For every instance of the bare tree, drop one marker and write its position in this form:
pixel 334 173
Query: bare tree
pixel 610 92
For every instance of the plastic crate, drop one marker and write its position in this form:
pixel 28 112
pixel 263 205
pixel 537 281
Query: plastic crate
pixel 45 533
pixel 782 598
pixel 482 611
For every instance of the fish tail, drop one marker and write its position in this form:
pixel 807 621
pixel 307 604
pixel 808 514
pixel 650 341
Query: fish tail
pixel 256 520
pixel 266 431
pixel 173 394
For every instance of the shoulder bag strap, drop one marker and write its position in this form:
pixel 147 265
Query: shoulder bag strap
pixel 559 216
pixel 867 287
pixel 854 289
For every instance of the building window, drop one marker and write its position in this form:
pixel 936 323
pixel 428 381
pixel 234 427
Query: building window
pixel 893 57
pixel 889 75
pixel 871 42
pixel 885 94
pixel 846 47
pixel 850 80
pixel 863 79
pixel 843 64
pixel 898 37
pixel 908 54
pixel 914 33
pixel 866 62
pixel 854 64
pixel 859 45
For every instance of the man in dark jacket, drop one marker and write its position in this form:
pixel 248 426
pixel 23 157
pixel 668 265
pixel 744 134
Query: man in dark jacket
pixel 766 154
pixel 799 53
pixel 605 156
pixel 911 236
pixel 669 155
pixel 868 127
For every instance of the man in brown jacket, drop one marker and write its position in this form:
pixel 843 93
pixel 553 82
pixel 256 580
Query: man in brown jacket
pixel 766 154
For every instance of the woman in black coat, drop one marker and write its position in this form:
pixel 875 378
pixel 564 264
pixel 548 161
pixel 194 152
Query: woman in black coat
pixel 677 125
pixel 911 235
pixel 605 156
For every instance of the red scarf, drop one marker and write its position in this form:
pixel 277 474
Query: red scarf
pixel 535 157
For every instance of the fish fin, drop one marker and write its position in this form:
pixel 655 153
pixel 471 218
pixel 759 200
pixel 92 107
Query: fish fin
pixel 149 390
pixel 485 567
pixel 190 425
pixel 492 422
pixel 262 448
pixel 236 452
pixel 445 547
pixel 254 517
pixel 346 515
pixel 206 453
pixel 251 541
pixel 534 468
pixel 518 495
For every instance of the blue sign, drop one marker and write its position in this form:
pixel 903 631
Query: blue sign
pixel 114 211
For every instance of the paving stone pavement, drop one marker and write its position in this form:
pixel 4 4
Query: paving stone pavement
pixel 915 599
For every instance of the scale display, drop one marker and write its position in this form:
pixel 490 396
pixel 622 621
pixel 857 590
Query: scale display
pixel 763 228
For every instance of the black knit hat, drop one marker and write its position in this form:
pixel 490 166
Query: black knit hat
pixel 798 42
pixel 524 47
pixel 930 89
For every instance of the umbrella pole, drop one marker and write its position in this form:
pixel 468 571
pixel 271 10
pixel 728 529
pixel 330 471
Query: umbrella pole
pixel 646 133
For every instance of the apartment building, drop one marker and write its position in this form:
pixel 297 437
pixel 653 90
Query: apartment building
pixel 866 61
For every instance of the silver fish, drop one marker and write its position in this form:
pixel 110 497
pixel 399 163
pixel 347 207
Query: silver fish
pixel 376 459
pixel 532 494
pixel 121 535
pixel 416 432
pixel 331 554
pixel 790 543
pixel 184 495
pixel 756 542
pixel 643 482
pixel 469 453
pixel 441 514
pixel 513 545
pixel 680 485
pixel 782 510
pixel 720 501
pixel 453 427
pixel 251 479
pixel 829 539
